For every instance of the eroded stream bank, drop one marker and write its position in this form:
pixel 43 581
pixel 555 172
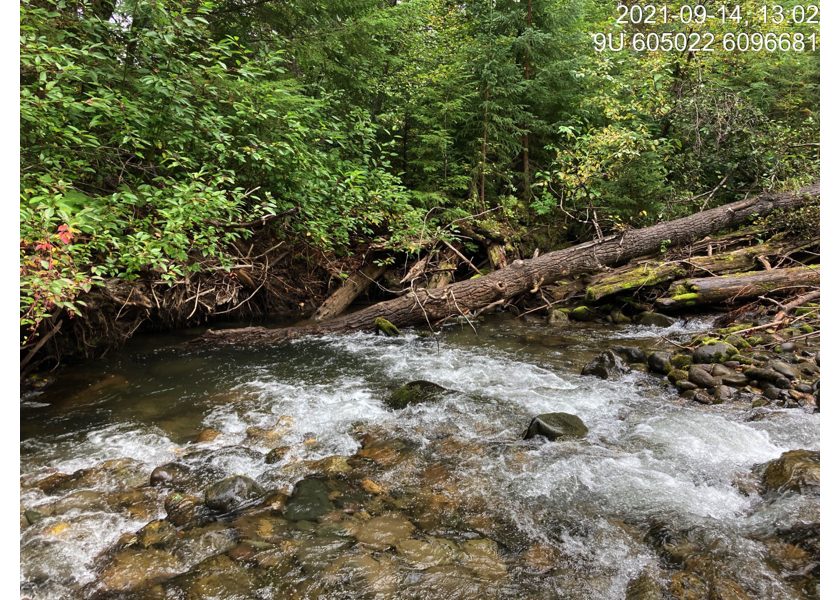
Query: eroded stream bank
pixel 347 498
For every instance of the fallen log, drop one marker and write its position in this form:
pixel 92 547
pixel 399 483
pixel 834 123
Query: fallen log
pixel 717 290
pixel 650 273
pixel 352 288
pixel 428 306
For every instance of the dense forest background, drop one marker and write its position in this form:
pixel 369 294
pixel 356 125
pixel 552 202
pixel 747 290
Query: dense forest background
pixel 174 145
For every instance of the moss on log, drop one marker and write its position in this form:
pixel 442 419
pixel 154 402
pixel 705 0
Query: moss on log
pixel 736 288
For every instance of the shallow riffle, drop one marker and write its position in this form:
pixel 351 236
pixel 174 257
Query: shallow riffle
pixel 438 500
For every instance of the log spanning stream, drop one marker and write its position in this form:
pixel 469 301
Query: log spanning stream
pixel 438 500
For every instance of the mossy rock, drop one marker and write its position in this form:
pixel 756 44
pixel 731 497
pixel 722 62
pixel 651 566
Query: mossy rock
pixel 714 352
pixel 736 341
pixel 681 361
pixel 415 392
pixel 619 318
pixel 386 327
pixel 806 329
pixel 677 375
pixel 804 311
pixel 583 313
pixel 558 318
pixel 754 340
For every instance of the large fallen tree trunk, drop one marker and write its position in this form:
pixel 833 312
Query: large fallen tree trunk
pixel 428 306
pixel 352 288
pixel 715 290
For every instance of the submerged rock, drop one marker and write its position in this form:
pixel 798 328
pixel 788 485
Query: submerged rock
pixel 381 533
pixel 541 558
pixel 415 393
pixel 643 587
pixel 556 426
pixel 229 493
pixel 308 501
pixel 607 365
pixel 424 554
pixel 482 558
pixel 131 569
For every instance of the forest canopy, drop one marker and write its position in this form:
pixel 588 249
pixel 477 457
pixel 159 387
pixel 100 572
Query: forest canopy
pixel 158 135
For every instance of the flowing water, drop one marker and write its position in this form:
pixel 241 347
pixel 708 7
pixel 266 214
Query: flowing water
pixel 445 500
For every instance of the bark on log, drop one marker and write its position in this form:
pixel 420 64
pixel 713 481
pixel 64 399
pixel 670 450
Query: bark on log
pixel 716 290
pixel 429 306
pixel 344 296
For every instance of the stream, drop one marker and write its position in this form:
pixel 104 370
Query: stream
pixel 438 500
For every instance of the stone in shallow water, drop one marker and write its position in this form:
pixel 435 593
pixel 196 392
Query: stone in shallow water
pixel 558 318
pixel 556 426
pixel 131 569
pixel 424 554
pixel 660 362
pixel 363 573
pixel 317 554
pixel 797 470
pixel 381 533
pixel 607 365
pixel 309 501
pixel 654 319
pixel 207 435
pixel 482 558
pixel 541 558
pixel 229 493
pixel 217 577
pixel 643 587
pixel 631 354
pixel 415 393
pixel 172 473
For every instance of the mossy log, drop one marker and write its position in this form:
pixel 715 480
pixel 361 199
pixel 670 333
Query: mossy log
pixel 650 273
pixel 735 288
pixel 352 288
pixel 420 307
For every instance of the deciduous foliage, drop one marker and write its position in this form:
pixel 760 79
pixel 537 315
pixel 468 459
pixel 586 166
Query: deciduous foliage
pixel 154 133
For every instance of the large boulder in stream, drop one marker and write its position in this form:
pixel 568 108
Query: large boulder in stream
pixel 715 352
pixel 607 365
pixel 415 392
pixel 556 426
pixel 229 493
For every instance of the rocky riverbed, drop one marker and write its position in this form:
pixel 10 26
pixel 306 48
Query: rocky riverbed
pixel 365 467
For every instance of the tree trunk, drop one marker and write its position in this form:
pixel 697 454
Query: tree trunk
pixel 716 290
pixel 521 276
pixel 344 296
